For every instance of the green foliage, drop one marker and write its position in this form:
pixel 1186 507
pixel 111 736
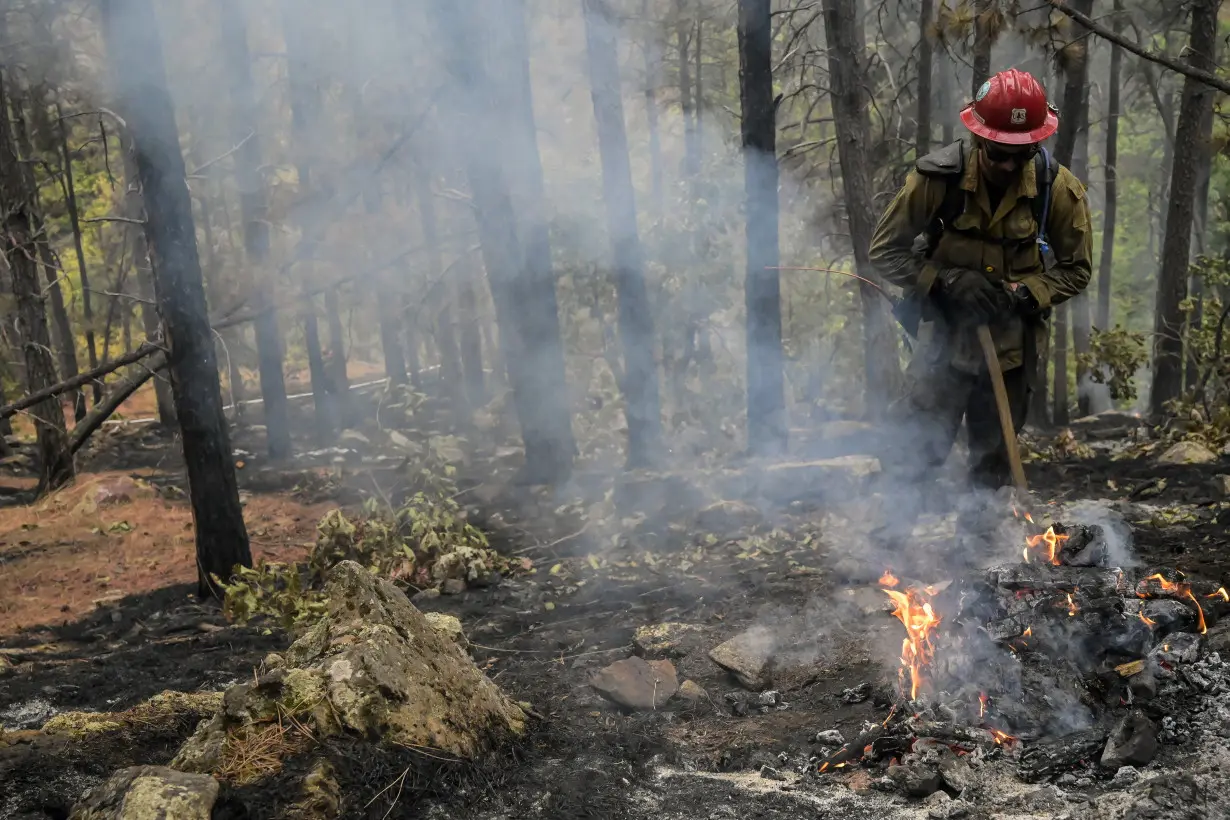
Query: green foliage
pixel 1115 357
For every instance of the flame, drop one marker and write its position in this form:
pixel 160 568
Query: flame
pixel 1051 540
pixel 1001 737
pixel 920 620
pixel 982 703
pixel 1029 631
pixel 1072 607
pixel 1221 592
pixel 1148 622
pixel 1181 590
pixel 888 579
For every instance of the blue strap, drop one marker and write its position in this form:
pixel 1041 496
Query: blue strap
pixel 1045 193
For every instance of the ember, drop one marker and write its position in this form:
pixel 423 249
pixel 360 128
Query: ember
pixel 888 579
pixel 1001 737
pixel 916 614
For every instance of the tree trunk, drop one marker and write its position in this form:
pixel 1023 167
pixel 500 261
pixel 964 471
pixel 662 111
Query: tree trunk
pixel 922 141
pixel 304 96
pixel 1111 197
pixel 254 210
pixel 1176 244
pixel 653 69
pixel 847 78
pixel 943 69
pixel 134 49
pixel 1061 414
pixel 767 427
pixel 522 286
pixel 640 384
pixel 17 203
pixel 471 335
pixel 134 208
pixel 683 34
pixel 698 99
pixel 1204 169
pixel 212 272
pixel 337 356
pixel 70 202
pixel 984 39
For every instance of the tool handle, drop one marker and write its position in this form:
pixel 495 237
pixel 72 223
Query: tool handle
pixel 1005 413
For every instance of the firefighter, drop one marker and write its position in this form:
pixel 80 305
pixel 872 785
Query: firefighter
pixel 991 231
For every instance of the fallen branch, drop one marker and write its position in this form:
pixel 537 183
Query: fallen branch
pixel 1153 57
pixel 118 394
pixel 146 349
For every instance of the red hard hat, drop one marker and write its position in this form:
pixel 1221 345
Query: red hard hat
pixel 1011 109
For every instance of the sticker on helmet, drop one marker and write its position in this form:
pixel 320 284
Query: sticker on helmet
pixel 982 91
pixel 1018 116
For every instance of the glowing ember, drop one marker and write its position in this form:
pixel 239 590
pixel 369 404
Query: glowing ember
pixel 1048 543
pixel 1147 621
pixel 916 614
pixel 888 579
pixel 1220 593
pixel 982 703
pixel 1001 737
pixel 1029 631
pixel 1072 607
pixel 1180 590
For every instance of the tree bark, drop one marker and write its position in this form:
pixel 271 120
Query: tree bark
pixel 17 203
pixel 767 427
pixel 683 36
pixel 254 210
pixel 134 50
pixel 70 202
pixel 522 286
pixel 984 39
pixel 76 381
pixel 640 384
pixel 1111 195
pixel 653 69
pixel 698 99
pixel 1061 414
pixel 1176 244
pixel 922 140
pixel 847 77
pixel 1204 169
pixel 117 395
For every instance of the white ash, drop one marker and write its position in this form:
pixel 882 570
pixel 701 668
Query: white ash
pixel 30 714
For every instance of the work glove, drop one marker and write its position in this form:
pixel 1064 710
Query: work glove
pixel 970 298
pixel 1023 301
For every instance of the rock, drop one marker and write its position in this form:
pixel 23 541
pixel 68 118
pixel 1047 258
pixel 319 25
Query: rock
pixel 448 626
pixel 665 639
pixel 1221 485
pixel 826 478
pixel 452 586
pixel 635 683
pixel 1126 776
pixel 1133 742
pixel 149 793
pixel 372 667
pixel 956 773
pixel 728 517
pixel 857 694
pixel 692 692
pixel 830 737
pixel 914 780
pixel 770 773
pixel 1187 452
pixel 747 657
pixel 425 595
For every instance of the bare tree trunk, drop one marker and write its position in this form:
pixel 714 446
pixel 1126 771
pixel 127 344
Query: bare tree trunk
pixel 640 383
pixel 254 210
pixel 922 142
pixel 653 70
pixel 471 335
pixel 17 204
pixel 847 77
pixel 1176 244
pixel 984 39
pixel 683 34
pixel 1204 169
pixel 699 99
pixel 70 202
pixel 134 49
pixel 943 96
pixel 1111 197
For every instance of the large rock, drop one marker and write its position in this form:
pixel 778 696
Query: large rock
pixel 1187 452
pixel 747 657
pixel 1132 743
pixel 149 793
pixel 636 683
pixel 373 666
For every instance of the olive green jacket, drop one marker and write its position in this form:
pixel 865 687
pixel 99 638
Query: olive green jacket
pixel 897 257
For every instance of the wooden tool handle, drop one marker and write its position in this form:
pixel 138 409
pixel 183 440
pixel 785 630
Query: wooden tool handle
pixel 1005 412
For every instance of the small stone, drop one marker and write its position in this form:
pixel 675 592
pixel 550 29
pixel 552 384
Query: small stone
pixel 636 683
pixel 769 698
pixel 914 780
pixel 429 594
pixel 830 737
pixel 770 773
pixel 857 694
pixel 1187 452
pixel 665 640
pixel 1221 485
pixel 448 626
pixel 1132 742
pixel 1126 776
pixel 1067 779
pixel 452 586
pixel 692 692
pixel 747 656
pixel 957 773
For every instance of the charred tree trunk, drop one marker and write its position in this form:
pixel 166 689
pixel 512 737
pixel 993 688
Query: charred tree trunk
pixel 17 203
pixel 640 382
pixel 304 107
pixel 254 210
pixel 337 356
pixel 767 428
pixel 134 49
pixel 522 282
pixel 442 324
pixel 1111 197
pixel 683 36
pixel 1204 169
pixel 844 34
pixel 1176 244
pixel 70 202
pixel 134 208
pixel 653 69
pixel 922 141
pixel 984 39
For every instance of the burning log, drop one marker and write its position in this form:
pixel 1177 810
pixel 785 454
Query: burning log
pixel 1098 582
pixel 1053 757
pixel 851 752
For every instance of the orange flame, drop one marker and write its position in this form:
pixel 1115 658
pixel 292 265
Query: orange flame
pixel 1221 592
pixel 1051 540
pixel 982 704
pixel 1001 737
pixel 920 620
pixel 1148 622
pixel 888 579
pixel 1181 590
pixel 1072 607
pixel 1029 631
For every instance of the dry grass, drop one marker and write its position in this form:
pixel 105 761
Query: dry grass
pixel 252 753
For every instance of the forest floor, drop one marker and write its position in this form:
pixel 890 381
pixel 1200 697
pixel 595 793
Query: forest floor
pixel 98 613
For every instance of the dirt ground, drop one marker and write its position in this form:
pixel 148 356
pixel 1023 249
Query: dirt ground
pixel 96 613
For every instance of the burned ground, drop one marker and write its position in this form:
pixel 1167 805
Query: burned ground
pixel 541 635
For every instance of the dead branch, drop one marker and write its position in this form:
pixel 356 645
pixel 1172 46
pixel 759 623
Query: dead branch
pixel 118 394
pixel 146 349
pixel 1123 42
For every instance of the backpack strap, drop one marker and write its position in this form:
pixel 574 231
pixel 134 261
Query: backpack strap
pixel 1046 168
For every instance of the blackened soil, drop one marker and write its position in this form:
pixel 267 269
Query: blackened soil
pixel 540 638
